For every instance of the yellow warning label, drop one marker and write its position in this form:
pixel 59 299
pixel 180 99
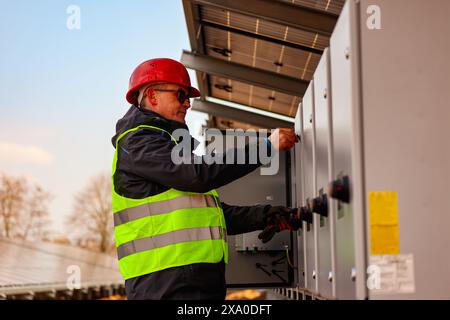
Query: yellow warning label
pixel 383 213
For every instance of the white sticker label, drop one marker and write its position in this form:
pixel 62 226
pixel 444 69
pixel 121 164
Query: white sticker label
pixel 391 274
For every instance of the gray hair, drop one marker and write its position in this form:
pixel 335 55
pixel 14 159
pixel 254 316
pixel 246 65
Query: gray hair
pixel 143 89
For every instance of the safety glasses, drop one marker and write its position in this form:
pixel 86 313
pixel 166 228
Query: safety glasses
pixel 182 95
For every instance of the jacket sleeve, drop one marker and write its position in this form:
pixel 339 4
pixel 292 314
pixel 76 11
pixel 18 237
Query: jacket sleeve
pixel 244 219
pixel 147 154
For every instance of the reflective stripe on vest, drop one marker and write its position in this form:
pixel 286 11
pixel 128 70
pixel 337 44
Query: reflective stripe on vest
pixel 169 229
pixel 161 207
pixel 165 239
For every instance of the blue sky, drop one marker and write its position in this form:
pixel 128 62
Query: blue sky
pixel 62 91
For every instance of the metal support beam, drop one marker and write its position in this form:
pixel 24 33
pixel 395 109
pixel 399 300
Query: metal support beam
pixel 243 73
pixel 191 14
pixel 261 37
pixel 284 13
pixel 220 110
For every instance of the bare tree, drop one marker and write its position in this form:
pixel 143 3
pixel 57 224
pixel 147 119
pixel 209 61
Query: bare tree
pixel 35 220
pixel 92 212
pixel 12 195
pixel 23 209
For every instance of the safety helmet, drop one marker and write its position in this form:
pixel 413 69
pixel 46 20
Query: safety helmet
pixel 159 70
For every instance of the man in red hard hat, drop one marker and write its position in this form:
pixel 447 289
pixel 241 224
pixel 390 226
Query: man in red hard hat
pixel 171 75
pixel 170 226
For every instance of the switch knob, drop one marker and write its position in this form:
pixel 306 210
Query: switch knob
pixel 306 214
pixel 340 189
pixel 320 205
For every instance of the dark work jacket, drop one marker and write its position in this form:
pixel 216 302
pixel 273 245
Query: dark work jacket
pixel 144 168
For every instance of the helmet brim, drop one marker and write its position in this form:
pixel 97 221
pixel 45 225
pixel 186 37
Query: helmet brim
pixel 193 92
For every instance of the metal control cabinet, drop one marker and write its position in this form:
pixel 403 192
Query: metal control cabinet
pixel 390 96
pixel 309 177
pixel 322 108
pixel 299 182
pixel 268 266
pixel 343 119
pixel 296 202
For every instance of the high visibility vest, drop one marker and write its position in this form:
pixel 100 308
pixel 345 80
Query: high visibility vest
pixel 169 229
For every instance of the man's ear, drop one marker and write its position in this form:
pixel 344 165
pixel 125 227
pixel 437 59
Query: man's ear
pixel 151 96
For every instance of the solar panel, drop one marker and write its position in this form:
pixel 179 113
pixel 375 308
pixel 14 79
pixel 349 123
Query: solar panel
pixel 333 6
pixel 26 264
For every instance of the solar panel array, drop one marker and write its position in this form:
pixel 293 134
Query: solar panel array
pixel 262 44
pixel 29 266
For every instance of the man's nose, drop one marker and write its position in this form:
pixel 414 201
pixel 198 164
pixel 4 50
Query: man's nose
pixel 187 103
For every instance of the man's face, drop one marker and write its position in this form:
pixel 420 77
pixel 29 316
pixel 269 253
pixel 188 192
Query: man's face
pixel 167 103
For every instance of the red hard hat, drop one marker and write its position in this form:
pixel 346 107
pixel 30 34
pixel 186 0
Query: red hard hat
pixel 159 70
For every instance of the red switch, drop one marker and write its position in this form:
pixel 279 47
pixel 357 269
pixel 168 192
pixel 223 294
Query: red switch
pixel 320 205
pixel 340 189
pixel 306 214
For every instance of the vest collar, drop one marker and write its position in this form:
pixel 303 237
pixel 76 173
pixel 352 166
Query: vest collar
pixel 170 126
pixel 161 122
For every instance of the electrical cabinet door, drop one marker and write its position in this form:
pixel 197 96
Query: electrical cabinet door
pixel 299 199
pixel 405 80
pixel 341 95
pixel 322 108
pixel 309 184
